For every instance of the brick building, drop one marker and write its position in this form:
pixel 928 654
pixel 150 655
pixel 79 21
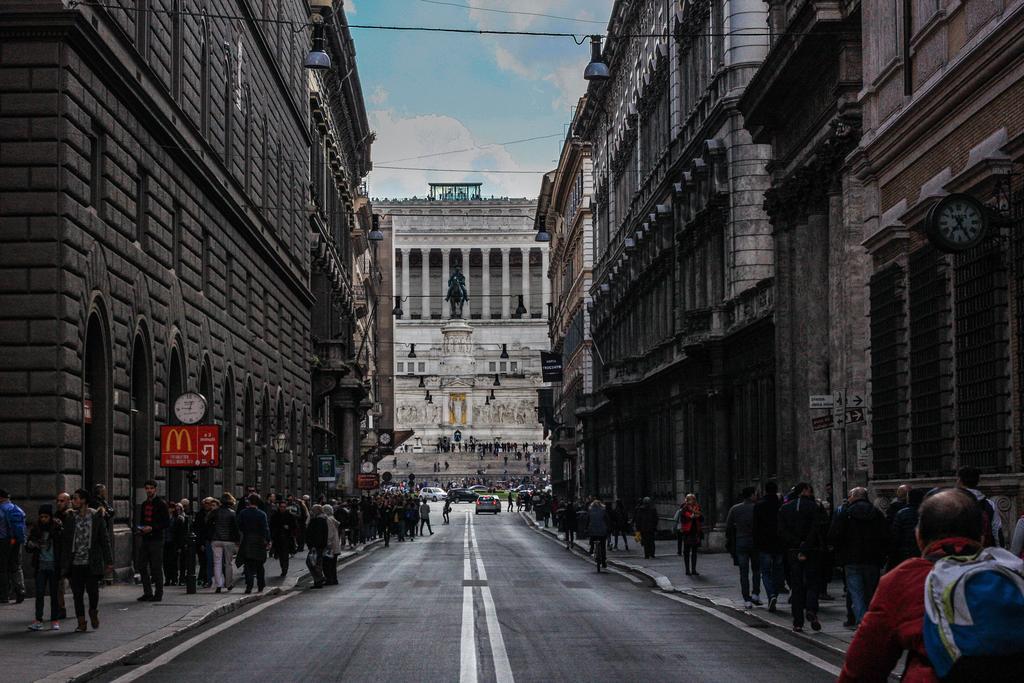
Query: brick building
pixel 943 110
pixel 564 209
pixel 803 101
pixel 683 293
pixel 155 240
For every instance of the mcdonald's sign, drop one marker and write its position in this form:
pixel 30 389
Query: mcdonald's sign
pixel 190 446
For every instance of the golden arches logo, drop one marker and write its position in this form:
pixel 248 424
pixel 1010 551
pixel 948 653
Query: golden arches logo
pixel 178 435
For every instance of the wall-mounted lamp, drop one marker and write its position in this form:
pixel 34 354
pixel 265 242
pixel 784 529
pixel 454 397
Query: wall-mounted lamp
pixel 542 233
pixel 318 59
pixel 412 350
pixel 504 352
pixel 521 308
pixel 375 232
pixel 497 380
pixel 597 70
pixel 397 310
pixel 423 384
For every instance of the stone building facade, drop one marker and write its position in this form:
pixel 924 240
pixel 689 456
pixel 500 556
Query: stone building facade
pixel 683 292
pixel 156 240
pixel 803 101
pixel 564 210
pixel 493 242
pixel 943 112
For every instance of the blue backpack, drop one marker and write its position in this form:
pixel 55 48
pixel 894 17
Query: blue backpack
pixel 974 612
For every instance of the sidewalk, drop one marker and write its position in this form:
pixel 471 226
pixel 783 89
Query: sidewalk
pixel 719 583
pixel 127 627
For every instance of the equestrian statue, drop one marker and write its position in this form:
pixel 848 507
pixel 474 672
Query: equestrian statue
pixel 457 293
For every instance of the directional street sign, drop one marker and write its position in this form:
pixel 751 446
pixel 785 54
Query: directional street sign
pixel 838 420
pixel 863 454
pixel 839 400
pixel 854 401
pixel 855 415
pixel 821 401
pixel 821 422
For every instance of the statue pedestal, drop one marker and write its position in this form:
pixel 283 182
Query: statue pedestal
pixel 457 350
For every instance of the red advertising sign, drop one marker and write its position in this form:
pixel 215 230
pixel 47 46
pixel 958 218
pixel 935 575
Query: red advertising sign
pixel 190 446
pixel 367 482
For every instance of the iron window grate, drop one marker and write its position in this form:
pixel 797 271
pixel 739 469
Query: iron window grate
pixel 888 369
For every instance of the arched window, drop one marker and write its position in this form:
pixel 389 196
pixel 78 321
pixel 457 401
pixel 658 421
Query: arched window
pixel 177 52
pixel 142 419
pixel 206 389
pixel 175 388
pixel 227 433
pixel 204 76
pixel 97 404
pixel 248 437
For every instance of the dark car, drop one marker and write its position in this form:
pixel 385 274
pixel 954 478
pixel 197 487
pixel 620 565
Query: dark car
pixel 462 496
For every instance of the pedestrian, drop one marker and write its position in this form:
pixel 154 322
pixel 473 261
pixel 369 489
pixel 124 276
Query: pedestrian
pixel 861 537
pixel 597 530
pixel 800 531
pixel 12 540
pixel 317 534
pixel 154 519
pixel 446 510
pixel 950 524
pixel 511 500
pixel 101 503
pixel 224 537
pixel 387 516
pixel 897 503
pixel 767 543
pixel 333 549
pixel 739 533
pixel 903 530
pixel 282 534
pixel 85 557
pixel 969 478
pixel 204 540
pixel 174 546
pixel 61 511
pixel 620 525
pixel 412 515
pixel 44 542
pixel 646 519
pixel 569 523
pixel 254 532
pixel 425 517
pixel 689 519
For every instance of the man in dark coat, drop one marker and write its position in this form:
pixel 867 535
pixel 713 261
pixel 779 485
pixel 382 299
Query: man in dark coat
pixel 767 543
pixel 569 524
pixel 154 519
pixel 800 531
pixel 255 532
pixel 646 519
pixel 85 556
pixel 282 534
pixel 860 535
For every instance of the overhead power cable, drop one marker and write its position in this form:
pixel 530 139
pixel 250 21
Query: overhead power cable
pixel 471 149
pixel 515 12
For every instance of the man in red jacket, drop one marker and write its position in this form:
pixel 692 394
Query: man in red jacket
pixel 950 523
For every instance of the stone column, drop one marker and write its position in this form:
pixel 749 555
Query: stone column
pixel 467 309
pixel 505 283
pixel 406 308
pixel 526 279
pixel 425 313
pixel 485 284
pixel 444 281
pixel 545 283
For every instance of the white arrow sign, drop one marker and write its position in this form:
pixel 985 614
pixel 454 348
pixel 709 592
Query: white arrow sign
pixel 208 451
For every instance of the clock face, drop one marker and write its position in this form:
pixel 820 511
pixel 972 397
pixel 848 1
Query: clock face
pixel 958 222
pixel 190 408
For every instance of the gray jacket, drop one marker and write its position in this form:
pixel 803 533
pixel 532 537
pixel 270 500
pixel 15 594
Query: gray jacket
pixel 741 522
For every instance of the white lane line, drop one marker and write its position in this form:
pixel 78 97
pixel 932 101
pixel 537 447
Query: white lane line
pixel 771 640
pixel 467 648
pixel 502 667
pixel 192 642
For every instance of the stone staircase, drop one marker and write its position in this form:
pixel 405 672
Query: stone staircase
pixel 461 465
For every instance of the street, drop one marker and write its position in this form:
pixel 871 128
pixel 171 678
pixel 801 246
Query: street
pixel 484 599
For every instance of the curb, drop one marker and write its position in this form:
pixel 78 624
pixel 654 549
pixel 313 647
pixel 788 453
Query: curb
pixel 191 621
pixel 662 583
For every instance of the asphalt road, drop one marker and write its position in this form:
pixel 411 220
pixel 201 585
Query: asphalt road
pixel 484 599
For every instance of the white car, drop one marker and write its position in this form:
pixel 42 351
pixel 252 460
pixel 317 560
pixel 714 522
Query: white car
pixel 432 493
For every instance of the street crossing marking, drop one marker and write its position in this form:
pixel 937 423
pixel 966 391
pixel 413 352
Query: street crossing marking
pixel 467 647
pixel 757 633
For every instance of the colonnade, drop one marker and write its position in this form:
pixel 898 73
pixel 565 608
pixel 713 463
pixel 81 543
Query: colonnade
pixel 432 290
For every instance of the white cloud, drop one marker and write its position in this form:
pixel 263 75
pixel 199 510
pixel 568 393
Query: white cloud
pixel 379 96
pixel 402 137
pixel 568 82
pixel 511 63
pixel 350 7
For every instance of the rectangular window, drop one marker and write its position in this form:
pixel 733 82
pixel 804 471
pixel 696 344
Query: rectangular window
pixel 888 370
pixel 142 27
pixel 142 208
pixel 422 367
pixel 176 239
pixel 205 262
pixel 96 154
pixel 401 366
pixel 503 366
pixel 492 367
pixel 513 367
pixel 229 282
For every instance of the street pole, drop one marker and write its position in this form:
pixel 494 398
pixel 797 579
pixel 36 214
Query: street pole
pixel 190 540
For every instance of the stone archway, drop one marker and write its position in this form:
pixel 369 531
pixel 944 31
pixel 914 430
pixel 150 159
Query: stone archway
pixel 248 438
pixel 97 404
pixel 176 489
pixel 142 420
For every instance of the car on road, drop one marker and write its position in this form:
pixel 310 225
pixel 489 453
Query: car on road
pixel 488 504
pixel 462 496
pixel 479 488
pixel 432 493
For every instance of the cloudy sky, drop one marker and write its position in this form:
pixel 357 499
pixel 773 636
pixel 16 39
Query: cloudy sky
pixel 428 94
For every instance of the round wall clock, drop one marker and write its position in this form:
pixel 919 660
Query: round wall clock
pixel 190 408
pixel 957 222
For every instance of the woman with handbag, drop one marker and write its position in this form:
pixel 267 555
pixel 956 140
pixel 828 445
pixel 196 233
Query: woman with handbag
pixel 689 522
